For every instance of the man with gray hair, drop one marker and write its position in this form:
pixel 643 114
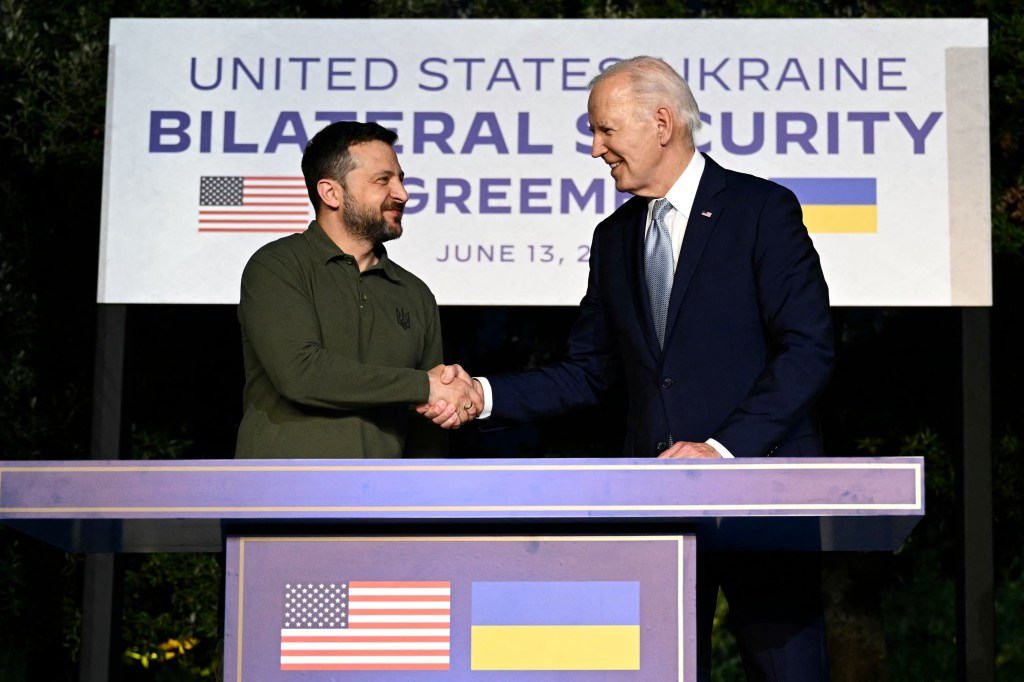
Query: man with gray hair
pixel 706 302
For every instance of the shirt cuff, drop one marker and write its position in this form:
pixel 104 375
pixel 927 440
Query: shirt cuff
pixel 722 450
pixel 488 398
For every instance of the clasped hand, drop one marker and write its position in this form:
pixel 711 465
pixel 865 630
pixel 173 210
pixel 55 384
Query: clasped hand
pixel 455 397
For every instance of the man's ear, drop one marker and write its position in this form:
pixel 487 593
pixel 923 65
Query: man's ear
pixel 331 193
pixel 666 124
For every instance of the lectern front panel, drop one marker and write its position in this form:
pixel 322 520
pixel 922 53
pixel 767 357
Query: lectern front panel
pixel 529 608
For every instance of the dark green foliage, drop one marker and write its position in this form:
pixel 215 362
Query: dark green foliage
pixel 1010 621
pixel 1008 479
pixel 724 653
pixel 53 69
pixel 919 597
pixel 40 610
pixel 20 422
pixel 170 622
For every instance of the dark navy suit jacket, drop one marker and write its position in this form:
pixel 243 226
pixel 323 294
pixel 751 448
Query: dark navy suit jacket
pixel 749 343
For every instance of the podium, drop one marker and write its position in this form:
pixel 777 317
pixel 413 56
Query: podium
pixel 526 569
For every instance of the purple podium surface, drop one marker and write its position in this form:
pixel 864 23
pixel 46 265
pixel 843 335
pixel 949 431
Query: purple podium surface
pixel 144 506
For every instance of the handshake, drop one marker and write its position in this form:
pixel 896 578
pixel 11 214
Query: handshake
pixel 455 397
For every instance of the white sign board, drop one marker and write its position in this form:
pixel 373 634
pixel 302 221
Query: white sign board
pixel 879 126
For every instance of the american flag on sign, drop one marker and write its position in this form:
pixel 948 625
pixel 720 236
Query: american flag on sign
pixel 253 203
pixel 366 626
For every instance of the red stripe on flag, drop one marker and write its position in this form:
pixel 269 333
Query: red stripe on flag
pixel 354 584
pixel 254 221
pixel 391 612
pixel 286 178
pixel 397 597
pixel 365 638
pixel 252 229
pixel 254 212
pixel 364 666
pixel 397 623
pixel 365 652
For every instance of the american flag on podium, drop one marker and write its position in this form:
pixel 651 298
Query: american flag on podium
pixel 361 625
pixel 253 203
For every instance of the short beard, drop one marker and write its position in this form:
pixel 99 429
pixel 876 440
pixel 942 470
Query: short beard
pixel 364 223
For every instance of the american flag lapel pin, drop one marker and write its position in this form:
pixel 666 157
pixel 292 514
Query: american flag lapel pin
pixel 706 214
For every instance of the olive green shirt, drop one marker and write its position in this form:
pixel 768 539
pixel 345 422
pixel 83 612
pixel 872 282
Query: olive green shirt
pixel 334 358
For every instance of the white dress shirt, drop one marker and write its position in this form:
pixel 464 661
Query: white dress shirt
pixel 681 196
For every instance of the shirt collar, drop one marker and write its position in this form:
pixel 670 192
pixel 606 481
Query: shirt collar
pixel 327 251
pixel 386 264
pixel 683 192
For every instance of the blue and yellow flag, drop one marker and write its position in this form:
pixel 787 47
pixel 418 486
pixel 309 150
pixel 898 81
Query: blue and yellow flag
pixel 836 204
pixel 566 625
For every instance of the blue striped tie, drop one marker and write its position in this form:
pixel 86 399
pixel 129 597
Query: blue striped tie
pixel 658 267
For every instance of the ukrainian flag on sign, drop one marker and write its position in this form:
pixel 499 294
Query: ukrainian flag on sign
pixel 836 204
pixel 591 625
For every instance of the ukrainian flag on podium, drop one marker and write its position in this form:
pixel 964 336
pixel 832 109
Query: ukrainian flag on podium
pixel 836 205
pixel 560 625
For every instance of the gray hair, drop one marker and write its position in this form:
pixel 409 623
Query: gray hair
pixel 655 83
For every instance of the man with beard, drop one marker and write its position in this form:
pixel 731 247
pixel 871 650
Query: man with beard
pixel 339 342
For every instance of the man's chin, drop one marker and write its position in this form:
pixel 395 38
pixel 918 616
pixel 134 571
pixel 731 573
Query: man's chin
pixel 627 188
pixel 393 231
pixel 620 182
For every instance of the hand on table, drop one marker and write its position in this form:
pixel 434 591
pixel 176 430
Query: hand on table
pixel 685 450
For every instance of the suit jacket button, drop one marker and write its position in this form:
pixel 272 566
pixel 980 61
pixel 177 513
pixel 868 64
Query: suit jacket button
pixel 662 446
pixel 667 383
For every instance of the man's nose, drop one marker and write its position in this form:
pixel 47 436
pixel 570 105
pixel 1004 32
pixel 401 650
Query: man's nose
pixel 597 147
pixel 399 192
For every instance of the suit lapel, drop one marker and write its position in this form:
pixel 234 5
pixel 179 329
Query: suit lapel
pixel 707 208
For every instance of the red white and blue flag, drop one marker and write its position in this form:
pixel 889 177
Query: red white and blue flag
pixel 253 203
pixel 361 625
